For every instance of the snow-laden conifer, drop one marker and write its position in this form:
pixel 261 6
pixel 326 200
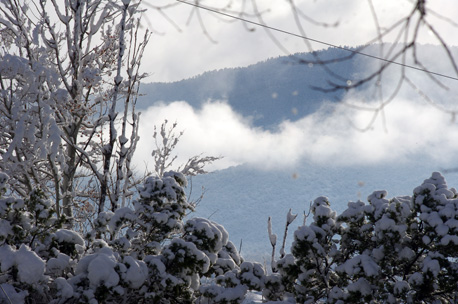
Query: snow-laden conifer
pixel 399 250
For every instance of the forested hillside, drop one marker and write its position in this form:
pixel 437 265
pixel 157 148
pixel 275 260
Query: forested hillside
pixel 268 92
pixel 287 88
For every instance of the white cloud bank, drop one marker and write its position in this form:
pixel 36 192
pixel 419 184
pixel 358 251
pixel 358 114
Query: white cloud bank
pixel 412 128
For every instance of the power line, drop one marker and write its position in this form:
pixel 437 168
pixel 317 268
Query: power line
pixel 317 41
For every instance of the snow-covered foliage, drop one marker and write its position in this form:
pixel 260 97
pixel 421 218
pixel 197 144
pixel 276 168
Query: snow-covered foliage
pixel 399 250
pixel 64 68
pixel 145 254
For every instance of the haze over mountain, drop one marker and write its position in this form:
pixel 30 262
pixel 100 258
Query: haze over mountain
pixel 284 143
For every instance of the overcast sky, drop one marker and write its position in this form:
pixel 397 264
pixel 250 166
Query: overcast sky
pixel 176 54
pixel 409 125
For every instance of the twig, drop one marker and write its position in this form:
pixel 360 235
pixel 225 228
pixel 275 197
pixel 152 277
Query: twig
pixel 7 297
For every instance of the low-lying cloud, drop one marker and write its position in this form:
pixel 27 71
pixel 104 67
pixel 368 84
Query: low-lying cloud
pixel 404 130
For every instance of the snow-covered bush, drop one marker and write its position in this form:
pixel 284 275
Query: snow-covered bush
pixel 232 286
pixel 400 250
pixel 157 215
pixel 308 272
pixel 148 253
pixel 26 228
pixel 178 254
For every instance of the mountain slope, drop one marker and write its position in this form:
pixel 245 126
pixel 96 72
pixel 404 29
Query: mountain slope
pixel 267 92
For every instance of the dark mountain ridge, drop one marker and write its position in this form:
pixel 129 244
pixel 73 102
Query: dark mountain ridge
pixel 268 92
pixel 284 88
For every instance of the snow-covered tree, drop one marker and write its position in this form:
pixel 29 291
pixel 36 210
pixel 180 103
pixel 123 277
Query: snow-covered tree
pixel 399 250
pixel 140 255
pixel 66 68
pixel 69 79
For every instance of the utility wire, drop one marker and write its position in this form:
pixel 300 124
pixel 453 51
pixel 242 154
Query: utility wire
pixel 317 41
